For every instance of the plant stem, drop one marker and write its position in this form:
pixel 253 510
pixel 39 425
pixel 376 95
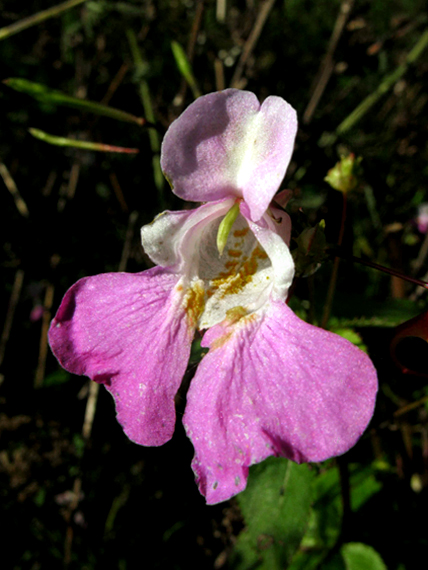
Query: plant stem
pixel 265 8
pixel 86 145
pixel 388 270
pixel 333 278
pixel 359 112
pixel 144 90
pixel 35 19
pixel 45 95
pixel 327 65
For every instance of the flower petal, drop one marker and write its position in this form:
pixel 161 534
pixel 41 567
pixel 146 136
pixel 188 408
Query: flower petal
pixel 242 278
pixel 274 385
pixel 225 144
pixel 130 333
pixel 268 160
pixel 172 238
pixel 274 236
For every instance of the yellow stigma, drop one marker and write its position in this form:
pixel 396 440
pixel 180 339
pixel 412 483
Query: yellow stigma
pixel 226 226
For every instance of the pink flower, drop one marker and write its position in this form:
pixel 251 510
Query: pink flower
pixel 422 218
pixel 270 384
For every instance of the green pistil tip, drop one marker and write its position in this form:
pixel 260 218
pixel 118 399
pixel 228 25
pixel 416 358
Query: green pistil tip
pixel 225 227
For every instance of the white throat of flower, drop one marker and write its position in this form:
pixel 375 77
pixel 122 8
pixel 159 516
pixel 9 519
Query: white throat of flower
pixel 255 263
pixel 242 277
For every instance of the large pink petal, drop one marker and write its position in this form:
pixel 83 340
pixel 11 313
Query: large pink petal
pixel 226 144
pixel 274 385
pixel 130 333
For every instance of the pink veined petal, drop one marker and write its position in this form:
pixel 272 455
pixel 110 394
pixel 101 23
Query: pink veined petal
pixel 274 385
pixel 130 333
pixel 226 144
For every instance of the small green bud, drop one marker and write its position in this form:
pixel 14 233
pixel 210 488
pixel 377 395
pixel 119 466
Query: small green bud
pixel 342 176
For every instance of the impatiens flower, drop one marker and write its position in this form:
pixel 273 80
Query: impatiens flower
pixel 422 218
pixel 270 383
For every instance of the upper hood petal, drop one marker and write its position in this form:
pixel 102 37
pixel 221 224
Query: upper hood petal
pixel 227 144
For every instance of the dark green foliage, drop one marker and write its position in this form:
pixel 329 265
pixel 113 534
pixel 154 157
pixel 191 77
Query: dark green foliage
pixel 275 507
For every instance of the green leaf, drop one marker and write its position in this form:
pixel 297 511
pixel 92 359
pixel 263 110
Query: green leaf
pixel 40 497
pixel 325 523
pixel 350 335
pixel 310 252
pixel 276 508
pixel 58 377
pixel 364 485
pixel 326 516
pixel 45 95
pixel 357 311
pixel 85 145
pixel 141 69
pixel 37 18
pixel 79 444
pixel 196 352
pixel 185 68
pixel 359 556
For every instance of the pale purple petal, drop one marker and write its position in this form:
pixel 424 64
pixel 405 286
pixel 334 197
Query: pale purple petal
pixel 130 333
pixel 274 385
pixel 226 144
pixel 269 159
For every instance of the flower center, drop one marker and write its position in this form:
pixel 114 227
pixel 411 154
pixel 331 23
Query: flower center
pixel 241 277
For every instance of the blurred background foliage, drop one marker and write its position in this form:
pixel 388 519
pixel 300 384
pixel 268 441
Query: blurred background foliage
pixel 96 500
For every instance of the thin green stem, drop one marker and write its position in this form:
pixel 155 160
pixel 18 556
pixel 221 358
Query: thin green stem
pixel 388 270
pixel 85 145
pixel 35 19
pixel 140 68
pixel 333 279
pixel 185 68
pixel 345 491
pixel 45 95
pixel 359 112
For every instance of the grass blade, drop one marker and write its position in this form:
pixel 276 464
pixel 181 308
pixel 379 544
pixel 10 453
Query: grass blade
pixel 86 145
pixel 35 19
pixel 185 68
pixel 45 95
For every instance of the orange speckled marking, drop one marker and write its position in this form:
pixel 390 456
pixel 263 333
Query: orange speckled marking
pixel 260 253
pixel 194 303
pixel 235 314
pixel 232 317
pixel 233 280
pixel 234 252
pixel 241 233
